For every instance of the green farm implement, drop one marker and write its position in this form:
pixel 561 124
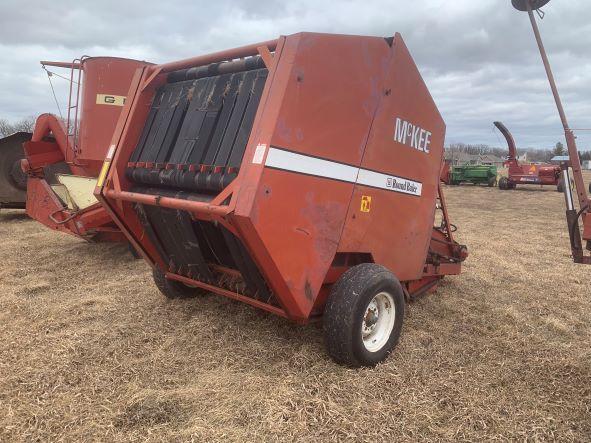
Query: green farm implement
pixel 476 174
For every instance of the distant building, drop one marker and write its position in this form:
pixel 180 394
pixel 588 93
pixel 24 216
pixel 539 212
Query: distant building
pixel 522 158
pixel 463 158
pixel 586 164
pixel 559 158
pixel 492 160
pixel 460 158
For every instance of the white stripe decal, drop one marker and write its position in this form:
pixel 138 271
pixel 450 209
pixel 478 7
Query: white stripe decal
pixel 291 161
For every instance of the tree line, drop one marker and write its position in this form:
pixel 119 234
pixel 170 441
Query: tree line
pixel 533 155
pixel 24 125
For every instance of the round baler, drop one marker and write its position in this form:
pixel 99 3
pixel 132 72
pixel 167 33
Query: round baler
pixel 299 175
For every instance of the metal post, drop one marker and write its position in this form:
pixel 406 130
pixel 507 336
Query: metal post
pixel 570 137
pixel 572 219
pixel 568 195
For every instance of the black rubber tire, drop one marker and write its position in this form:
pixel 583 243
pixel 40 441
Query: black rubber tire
pixel 492 182
pixel 18 177
pixel 345 309
pixel 504 183
pixel 133 251
pixel 174 289
pixel 589 188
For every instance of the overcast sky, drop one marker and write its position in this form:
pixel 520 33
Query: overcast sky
pixel 478 58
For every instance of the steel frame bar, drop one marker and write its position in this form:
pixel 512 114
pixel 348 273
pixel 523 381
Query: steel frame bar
pixel 68 65
pixel 229 54
pixel 169 202
pixel 233 295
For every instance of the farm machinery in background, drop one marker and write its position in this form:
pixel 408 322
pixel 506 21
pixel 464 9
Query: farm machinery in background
pixel 573 213
pixel 63 159
pixel 13 181
pixel 475 174
pixel 224 179
pixel 526 174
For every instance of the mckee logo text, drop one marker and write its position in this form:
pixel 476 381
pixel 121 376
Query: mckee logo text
pixel 412 135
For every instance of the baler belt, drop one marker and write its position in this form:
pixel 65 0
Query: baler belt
pixel 151 233
pixel 207 102
pixel 192 245
pixel 135 155
pixel 229 100
pixel 167 238
pixel 202 123
pixel 250 273
pixel 214 239
pixel 188 246
pixel 172 101
pixel 177 241
pixel 176 232
pixel 247 121
pixel 173 127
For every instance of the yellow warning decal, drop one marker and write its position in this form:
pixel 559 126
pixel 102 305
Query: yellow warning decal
pixel 365 203
pixel 109 99
pixel 103 174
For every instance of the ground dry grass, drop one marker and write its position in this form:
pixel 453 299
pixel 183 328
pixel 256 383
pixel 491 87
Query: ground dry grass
pixel 90 350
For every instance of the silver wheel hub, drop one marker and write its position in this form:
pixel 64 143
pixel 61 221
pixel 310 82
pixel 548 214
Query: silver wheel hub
pixel 378 321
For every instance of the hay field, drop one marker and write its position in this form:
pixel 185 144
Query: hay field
pixel 90 351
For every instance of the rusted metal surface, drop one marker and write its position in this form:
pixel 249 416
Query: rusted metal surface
pixel 216 57
pixel 286 200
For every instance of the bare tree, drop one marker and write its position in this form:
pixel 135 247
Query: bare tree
pixel 5 128
pixel 24 125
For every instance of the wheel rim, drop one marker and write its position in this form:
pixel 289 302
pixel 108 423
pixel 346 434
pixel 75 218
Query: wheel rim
pixel 378 321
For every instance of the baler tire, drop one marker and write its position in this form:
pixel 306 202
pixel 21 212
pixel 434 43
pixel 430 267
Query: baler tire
pixel 174 289
pixel 136 255
pixel 589 188
pixel 347 308
pixel 492 182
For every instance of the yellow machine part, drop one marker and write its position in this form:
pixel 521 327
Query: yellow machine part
pixel 76 192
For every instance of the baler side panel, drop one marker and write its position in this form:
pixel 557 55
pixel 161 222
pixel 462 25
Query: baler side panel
pixel 393 206
pixel 324 115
